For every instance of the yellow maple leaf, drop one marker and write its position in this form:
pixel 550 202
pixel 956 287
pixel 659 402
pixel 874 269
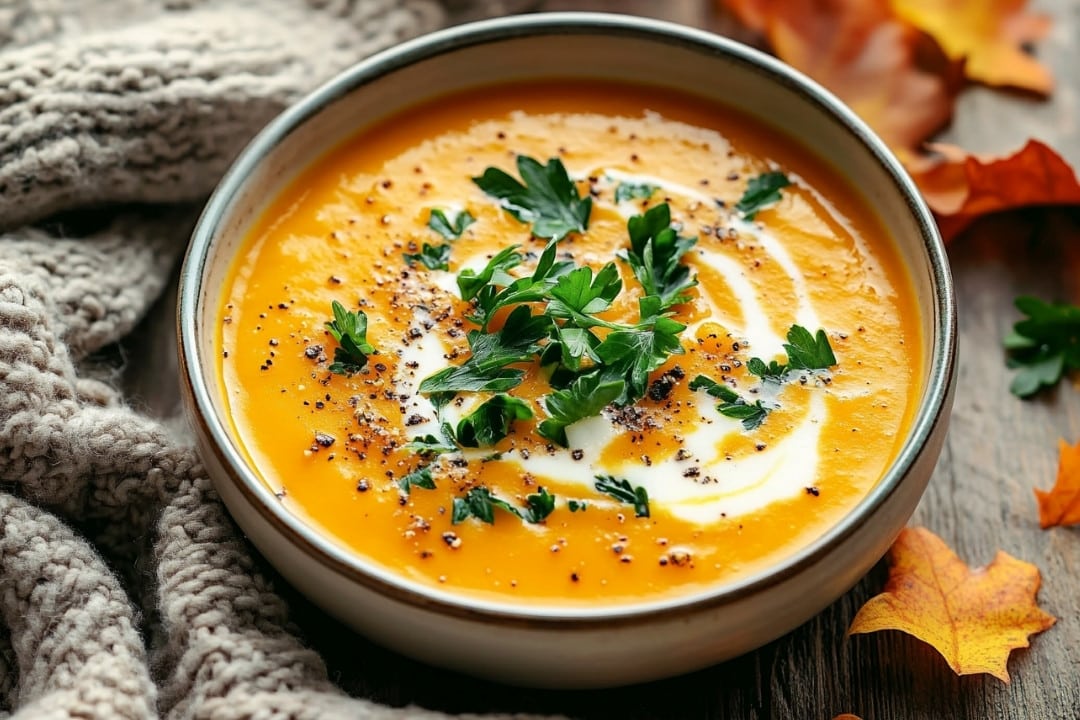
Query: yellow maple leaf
pixel 988 35
pixel 1061 504
pixel 974 618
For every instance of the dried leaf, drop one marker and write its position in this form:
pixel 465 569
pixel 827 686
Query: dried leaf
pixel 974 618
pixel 871 60
pixel 960 187
pixel 988 35
pixel 1061 504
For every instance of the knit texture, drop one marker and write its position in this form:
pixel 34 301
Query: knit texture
pixel 125 589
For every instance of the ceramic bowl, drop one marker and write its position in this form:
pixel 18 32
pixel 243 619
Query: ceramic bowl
pixel 532 644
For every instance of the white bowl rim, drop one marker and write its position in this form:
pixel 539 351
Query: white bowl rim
pixel 932 412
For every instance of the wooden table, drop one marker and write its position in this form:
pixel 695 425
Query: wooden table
pixel 980 497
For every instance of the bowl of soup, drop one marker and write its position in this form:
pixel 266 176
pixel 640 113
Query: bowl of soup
pixel 569 350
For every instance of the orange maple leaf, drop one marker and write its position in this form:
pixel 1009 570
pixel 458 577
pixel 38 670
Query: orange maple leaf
pixel 987 35
pixel 974 618
pixel 1061 504
pixel 866 56
pixel 960 187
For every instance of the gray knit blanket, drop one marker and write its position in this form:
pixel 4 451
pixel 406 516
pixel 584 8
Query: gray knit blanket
pixel 125 589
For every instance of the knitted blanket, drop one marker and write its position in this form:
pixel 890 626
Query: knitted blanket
pixel 125 589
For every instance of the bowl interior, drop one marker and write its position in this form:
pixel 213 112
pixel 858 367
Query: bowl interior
pixel 552 46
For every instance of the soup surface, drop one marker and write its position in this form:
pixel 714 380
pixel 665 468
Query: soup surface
pixel 714 360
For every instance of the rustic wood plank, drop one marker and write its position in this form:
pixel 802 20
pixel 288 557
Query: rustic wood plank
pixel 980 498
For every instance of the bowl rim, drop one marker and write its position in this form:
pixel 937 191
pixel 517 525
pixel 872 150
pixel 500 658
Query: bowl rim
pixel 340 560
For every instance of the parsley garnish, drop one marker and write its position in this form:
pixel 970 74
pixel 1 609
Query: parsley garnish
pixel 631 191
pixel 761 191
pixel 548 198
pixel 633 353
pixel 1043 345
pixel 485 370
pixel 496 271
pixel 655 250
pixel 350 331
pixel 480 504
pixel 804 351
pixel 623 491
pixel 433 257
pixel 586 396
pixel 491 421
pixel 449 229
pixel 420 478
pixel 577 505
pixel 429 445
pixel 732 405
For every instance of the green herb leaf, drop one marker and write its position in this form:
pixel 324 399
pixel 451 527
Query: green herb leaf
pixel 420 478
pixel 761 191
pixel 632 191
pixel 435 257
pixel 633 354
pixel 480 504
pixel 808 352
pixel 1043 345
pixel 491 421
pixel 496 271
pixel 654 254
pixel 623 491
pixel 578 295
pixel 429 445
pixel 349 329
pixel 449 229
pixel 577 505
pixel 531 289
pixel 773 372
pixel 538 506
pixel 585 397
pixel 733 405
pixel 469 378
pixel 548 198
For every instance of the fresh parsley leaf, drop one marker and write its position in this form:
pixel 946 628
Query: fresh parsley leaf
pixel 496 271
pixel 585 397
pixel 469 378
pixel 491 421
pixel 577 505
pixel 429 445
pixel 623 491
pixel 449 229
pixel 752 415
pixel 713 388
pixel 435 257
pixel 773 372
pixel 761 191
pixel 808 352
pixel 1043 345
pixel 548 198
pixel 420 478
pixel 732 405
pixel 531 289
pixel 578 295
pixel 631 191
pixel 480 504
pixel 634 353
pixel 574 344
pixel 654 254
pixel 350 331
pixel 538 506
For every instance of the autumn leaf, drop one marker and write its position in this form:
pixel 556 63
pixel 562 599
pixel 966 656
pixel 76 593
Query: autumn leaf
pixel 872 61
pixel 960 187
pixel 974 618
pixel 988 35
pixel 1061 504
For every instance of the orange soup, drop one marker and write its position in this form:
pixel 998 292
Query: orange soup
pixel 569 342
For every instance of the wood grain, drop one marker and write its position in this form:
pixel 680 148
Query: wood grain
pixel 980 497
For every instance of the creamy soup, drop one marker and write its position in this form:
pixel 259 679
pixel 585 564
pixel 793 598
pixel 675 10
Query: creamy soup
pixel 620 344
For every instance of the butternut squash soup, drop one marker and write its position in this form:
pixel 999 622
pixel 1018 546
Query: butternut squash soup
pixel 570 342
